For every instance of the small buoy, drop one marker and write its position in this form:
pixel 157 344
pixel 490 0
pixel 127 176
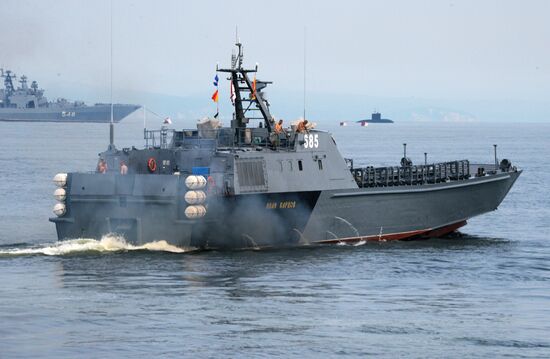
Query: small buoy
pixel 60 194
pixel 60 179
pixel 195 197
pixel 195 182
pixel 195 211
pixel 59 209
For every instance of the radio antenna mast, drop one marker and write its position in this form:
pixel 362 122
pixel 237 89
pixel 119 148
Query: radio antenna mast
pixel 304 72
pixel 111 123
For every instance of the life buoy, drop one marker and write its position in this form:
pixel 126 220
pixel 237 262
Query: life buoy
pixel 152 164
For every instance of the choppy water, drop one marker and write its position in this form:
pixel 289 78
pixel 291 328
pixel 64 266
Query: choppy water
pixel 483 294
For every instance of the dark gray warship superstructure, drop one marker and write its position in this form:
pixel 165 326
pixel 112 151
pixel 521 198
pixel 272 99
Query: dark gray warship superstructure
pixel 246 186
pixel 28 104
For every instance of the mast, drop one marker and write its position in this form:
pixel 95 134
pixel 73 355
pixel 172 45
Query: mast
pixel 23 82
pixel 247 96
pixel 8 81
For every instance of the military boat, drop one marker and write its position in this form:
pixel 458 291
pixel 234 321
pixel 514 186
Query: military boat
pixel 28 104
pixel 250 186
pixel 376 117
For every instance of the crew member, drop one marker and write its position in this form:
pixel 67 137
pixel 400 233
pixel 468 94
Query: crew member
pixel 102 166
pixel 123 168
pixel 302 127
pixel 279 127
pixel 211 188
pixel 278 130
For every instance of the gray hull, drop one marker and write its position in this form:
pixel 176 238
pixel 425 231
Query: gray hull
pixel 401 212
pixel 100 113
pixel 145 211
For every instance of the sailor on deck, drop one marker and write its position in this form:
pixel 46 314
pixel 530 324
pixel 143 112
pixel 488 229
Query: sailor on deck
pixel 123 168
pixel 279 127
pixel 278 130
pixel 302 127
pixel 102 166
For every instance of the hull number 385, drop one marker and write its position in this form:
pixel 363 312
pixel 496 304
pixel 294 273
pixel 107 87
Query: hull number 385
pixel 311 141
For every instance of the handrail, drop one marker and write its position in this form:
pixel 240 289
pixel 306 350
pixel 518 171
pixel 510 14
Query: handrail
pixel 281 141
pixel 411 175
pixel 226 138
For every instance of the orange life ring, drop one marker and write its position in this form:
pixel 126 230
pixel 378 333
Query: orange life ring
pixel 152 164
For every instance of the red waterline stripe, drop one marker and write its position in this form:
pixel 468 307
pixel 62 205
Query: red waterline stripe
pixel 423 233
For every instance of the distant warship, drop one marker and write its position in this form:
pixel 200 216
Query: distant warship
pixel 29 104
pixel 247 186
pixel 376 117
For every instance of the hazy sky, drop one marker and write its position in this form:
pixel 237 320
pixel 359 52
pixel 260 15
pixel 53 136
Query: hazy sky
pixel 467 50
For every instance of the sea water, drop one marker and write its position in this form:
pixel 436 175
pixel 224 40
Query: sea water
pixel 485 293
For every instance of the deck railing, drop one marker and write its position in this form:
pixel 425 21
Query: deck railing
pixel 223 138
pixel 412 175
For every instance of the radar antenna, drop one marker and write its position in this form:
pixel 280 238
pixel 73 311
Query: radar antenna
pixel 34 87
pixel 23 82
pixel 8 81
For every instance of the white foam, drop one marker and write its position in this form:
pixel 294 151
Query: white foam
pixel 108 243
pixel 356 244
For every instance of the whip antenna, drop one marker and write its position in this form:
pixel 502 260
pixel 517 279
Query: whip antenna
pixel 111 123
pixel 304 72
